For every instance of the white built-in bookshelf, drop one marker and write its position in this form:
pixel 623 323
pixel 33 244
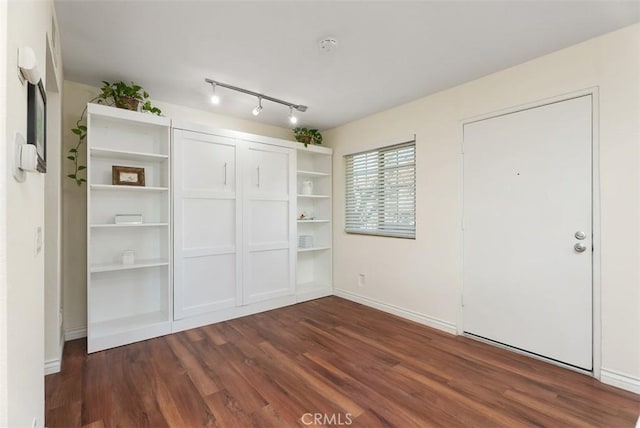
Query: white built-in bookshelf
pixel 127 302
pixel 314 262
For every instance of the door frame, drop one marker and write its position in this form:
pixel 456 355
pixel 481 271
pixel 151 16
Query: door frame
pixel 595 207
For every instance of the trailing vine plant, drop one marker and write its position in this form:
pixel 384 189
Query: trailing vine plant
pixel 117 94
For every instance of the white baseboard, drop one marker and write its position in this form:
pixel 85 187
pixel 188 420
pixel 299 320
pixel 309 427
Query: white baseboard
pixel 52 366
pixel 436 323
pixel 620 380
pixel 75 333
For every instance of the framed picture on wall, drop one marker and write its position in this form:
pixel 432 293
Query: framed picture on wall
pixel 37 122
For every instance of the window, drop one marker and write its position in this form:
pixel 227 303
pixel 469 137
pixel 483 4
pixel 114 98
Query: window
pixel 381 191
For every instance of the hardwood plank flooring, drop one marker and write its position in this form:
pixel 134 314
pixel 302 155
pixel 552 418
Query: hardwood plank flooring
pixel 327 362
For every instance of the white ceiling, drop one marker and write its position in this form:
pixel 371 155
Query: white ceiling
pixel 388 53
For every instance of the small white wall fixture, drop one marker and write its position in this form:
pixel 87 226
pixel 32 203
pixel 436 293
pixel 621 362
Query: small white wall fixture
pixel 28 66
pixel 25 158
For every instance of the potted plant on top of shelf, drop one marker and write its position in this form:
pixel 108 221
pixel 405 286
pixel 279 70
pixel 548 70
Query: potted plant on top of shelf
pixel 117 94
pixel 307 136
pixel 127 97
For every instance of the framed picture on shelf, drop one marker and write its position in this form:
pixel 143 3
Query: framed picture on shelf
pixel 127 176
pixel 37 122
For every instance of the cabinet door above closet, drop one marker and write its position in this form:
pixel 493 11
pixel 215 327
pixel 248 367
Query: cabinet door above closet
pixel 209 164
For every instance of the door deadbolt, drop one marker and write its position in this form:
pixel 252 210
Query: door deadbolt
pixel 580 235
pixel 580 247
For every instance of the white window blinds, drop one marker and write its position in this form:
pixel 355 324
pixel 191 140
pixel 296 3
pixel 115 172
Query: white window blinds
pixel 381 191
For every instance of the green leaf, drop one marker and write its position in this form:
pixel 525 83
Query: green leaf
pixel 72 176
pixel 81 167
pixel 71 158
pixel 73 151
pixel 76 131
pixel 82 180
pixel 82 127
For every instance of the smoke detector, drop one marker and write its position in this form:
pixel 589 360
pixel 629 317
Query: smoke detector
pixel 328 44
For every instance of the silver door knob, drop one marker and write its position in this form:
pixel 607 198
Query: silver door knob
pixel 580 247
pixel 580 235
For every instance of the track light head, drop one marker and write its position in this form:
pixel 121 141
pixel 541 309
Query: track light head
pixel 292 119
pixel 215 99
pixel 257 109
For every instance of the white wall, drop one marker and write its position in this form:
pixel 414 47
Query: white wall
pixel 4 405
pixel 422 276
pixel 75 198
pixel 27 25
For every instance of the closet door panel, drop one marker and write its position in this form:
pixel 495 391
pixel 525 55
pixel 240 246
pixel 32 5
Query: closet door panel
pixel 209 282
pixel 268 273
pixel 209 223
pixel 268 222
pixel 206 228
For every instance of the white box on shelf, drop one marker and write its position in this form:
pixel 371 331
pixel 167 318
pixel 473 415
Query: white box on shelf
pixel 128 257
pixel 305 241
pixel 128 218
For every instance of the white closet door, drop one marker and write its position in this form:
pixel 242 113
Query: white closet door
pixel 206 229
pixel 269 222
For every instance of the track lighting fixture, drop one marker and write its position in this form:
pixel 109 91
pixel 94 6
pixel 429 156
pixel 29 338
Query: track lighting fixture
pixel 292 119
pixel 257 109
pixel 215 99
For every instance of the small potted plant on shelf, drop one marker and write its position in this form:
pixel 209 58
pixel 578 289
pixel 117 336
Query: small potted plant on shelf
pixel 118 94
pixel 307 136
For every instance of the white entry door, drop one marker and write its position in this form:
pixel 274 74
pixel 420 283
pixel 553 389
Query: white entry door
pixel 527 230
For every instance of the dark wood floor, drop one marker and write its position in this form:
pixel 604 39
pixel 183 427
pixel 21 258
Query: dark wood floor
pixel 330 357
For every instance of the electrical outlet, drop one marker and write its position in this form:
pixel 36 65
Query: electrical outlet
pixel 38 240
pixel 361 280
